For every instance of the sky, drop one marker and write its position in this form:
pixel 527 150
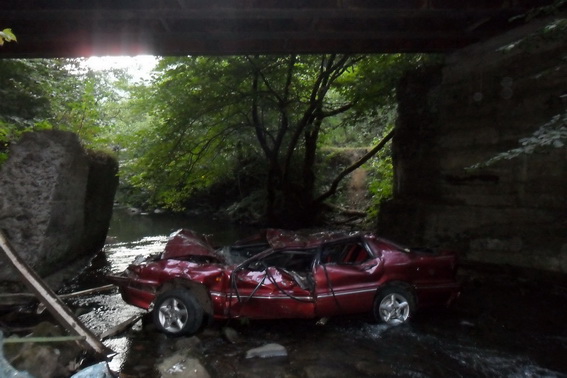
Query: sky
pixel 139 66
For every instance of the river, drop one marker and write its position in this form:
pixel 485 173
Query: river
pixel 503 325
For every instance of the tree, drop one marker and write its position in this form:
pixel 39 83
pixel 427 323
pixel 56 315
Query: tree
pixel 25 89
pixel 214 111
pixel 58 94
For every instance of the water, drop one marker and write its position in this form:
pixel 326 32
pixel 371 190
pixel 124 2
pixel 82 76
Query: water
pixel 129 236
pixel 502 326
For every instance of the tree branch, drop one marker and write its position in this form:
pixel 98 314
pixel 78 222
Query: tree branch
pixel 333 189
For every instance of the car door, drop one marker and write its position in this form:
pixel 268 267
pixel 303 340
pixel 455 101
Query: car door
pixel 346 278
pixel 268 288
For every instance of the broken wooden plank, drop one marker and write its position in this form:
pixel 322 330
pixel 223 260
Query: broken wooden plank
pixel 47 339
pixel 99 289
pixel 94 290
pixel 54 304
pixel 19 299
pixel 121 327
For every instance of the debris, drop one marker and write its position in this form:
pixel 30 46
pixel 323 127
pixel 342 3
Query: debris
pixel 54 304
pixel 48 339
pixel 94 290
pixel 266 351
pixel 11 300
pixel 7 370
pixel 99 370
pixel 16 299
pixel 121 327
pixel 45 352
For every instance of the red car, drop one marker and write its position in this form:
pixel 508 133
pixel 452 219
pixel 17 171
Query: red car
pixel 283 274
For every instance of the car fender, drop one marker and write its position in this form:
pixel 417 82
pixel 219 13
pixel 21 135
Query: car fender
pixel 198 290
pixel 408 287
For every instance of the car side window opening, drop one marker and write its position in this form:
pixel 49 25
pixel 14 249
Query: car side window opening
pixel 296 265
pixel 293 260
pixel 351 253
pixel 299 261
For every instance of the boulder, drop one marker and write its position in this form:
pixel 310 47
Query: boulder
pixel 56 200
pixel 183 362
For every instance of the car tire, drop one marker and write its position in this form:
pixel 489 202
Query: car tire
pixel 177 312
pixel 393 305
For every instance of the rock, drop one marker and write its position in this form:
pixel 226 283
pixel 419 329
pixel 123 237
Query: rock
pixel 231 335
pixel 266 351
pixel 133 211
pixel 181 365
pixel 99 370
pixel 56 200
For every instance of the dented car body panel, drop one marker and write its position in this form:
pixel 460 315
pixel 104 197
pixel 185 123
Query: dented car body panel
pixel 283 274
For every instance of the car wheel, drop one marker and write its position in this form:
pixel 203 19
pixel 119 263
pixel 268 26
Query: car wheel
pixel 177 312
pixel 393 305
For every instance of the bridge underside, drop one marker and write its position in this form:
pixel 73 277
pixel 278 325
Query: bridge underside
pixel 78 28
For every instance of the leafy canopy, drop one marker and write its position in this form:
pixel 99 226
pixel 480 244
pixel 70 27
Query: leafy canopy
pixel 217 118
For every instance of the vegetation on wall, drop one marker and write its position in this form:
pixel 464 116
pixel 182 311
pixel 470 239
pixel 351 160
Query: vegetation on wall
pixel 552 134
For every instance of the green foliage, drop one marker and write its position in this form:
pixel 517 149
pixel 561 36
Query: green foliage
pixel 58 94
pixel 188 146
pixel 214 116
pixel 255 121
pixel 7 35
pixel 380 168
pixel 380 181
pixel 25 89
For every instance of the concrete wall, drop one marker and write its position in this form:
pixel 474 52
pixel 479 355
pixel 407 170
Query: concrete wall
pixel 480 103
pixel 55 200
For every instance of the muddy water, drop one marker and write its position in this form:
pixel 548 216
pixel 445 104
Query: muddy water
pixel 505 324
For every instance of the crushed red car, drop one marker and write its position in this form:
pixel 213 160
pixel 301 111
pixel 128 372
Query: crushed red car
pixel 283 274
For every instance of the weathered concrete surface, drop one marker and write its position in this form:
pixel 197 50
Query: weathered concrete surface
pixel 479 104
pixel 56 200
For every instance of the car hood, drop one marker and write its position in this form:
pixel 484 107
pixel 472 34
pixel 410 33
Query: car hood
pixel 183 243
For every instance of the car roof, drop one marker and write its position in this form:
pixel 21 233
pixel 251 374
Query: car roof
pixel 278 238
